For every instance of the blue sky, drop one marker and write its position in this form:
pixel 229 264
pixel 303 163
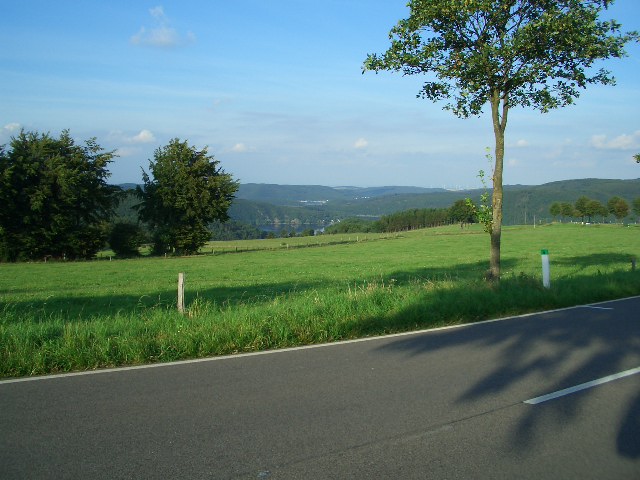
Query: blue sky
pixel 274 88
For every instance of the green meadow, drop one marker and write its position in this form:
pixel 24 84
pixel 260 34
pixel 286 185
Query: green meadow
pixel 253 295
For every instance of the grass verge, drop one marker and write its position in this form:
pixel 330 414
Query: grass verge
pixel 78 316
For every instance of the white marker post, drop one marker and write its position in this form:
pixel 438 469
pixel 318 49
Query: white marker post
pixel 546 282
pixel 181 292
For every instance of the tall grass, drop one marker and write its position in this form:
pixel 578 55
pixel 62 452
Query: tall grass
pixel 63 317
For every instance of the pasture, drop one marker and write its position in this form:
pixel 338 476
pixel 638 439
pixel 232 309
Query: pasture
pixel 255 295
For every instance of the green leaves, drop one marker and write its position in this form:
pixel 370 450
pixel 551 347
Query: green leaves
pixel 188 191
pixel 55 197
pixel 531 53
pixel 484 211
pixel 536 53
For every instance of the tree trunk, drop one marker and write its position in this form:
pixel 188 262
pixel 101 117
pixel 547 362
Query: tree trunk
pixel 499 125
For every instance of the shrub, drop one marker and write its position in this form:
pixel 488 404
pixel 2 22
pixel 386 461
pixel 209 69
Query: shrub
pixel 125 239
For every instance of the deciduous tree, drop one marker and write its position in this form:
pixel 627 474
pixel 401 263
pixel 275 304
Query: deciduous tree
pixel 618 207
pixel 504 53
pixel 595 208
pixel 582 207
pixel 187 190
pixel 461 212
pixel 567 210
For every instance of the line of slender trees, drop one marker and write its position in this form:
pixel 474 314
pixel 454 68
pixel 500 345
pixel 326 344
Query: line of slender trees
pixel 56 202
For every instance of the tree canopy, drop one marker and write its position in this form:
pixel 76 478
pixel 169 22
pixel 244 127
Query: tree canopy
pixel 55 197
pixel 555 209
pixel 187 190
pixel 618 207
pixel 505 53
pixel 462 212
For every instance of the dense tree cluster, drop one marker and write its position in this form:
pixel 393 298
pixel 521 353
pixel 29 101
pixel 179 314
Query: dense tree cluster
pixel 413 219
pixel 56 202
pixel 55 198
pixel 352 225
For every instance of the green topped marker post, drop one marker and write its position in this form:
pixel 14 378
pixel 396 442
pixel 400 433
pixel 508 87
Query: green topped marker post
pixel 546 281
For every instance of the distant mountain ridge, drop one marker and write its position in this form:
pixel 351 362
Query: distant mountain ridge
pixel 298 194
pixel 262 204
pixel 265 203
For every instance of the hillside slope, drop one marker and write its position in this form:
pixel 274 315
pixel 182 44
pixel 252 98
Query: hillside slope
pixel 260 204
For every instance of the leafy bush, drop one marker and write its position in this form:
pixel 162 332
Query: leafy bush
pixel 125 239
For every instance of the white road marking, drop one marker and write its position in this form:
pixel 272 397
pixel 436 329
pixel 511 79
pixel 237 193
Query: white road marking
pixel 597 308
pixel 582 386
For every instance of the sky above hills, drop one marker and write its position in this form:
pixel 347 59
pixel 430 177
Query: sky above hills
pixel 275 90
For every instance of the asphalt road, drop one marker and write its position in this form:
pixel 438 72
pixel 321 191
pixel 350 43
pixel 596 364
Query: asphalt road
pixel 445 404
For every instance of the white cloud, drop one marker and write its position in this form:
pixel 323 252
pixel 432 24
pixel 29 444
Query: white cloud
pixel 145 136
pixel 161 35
pixel 521 143
pixel 513 162
pixel 361 143
pixel 621 142
pixel 241 148
pixel 12 127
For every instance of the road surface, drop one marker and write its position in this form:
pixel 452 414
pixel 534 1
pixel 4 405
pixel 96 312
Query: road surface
pixel 464 402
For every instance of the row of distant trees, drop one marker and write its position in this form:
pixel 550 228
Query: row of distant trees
pixel 464 212
pixel 589 209
pixel 56 202
pixel 460 212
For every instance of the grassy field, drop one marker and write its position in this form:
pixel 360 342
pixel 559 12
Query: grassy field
pixel 59 317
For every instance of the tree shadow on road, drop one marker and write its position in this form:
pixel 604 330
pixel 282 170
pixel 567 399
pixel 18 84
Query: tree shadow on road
pixel 628 441
pixel 538 350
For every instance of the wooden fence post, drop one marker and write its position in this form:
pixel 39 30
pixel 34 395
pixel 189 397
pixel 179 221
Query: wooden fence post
pixel 181 292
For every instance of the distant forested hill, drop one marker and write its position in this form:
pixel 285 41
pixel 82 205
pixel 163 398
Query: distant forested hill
pixel 265 204
pixel 260 203
pixel 522 202
pixel 304 194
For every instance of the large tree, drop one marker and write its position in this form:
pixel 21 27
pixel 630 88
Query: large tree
pixel 186 191
pixel 567 210
pixel 504 53
pixel 582 207
pixel 462 212
pixel 55 197
pixel 595 208
pixel 555 209
pixel 618 207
